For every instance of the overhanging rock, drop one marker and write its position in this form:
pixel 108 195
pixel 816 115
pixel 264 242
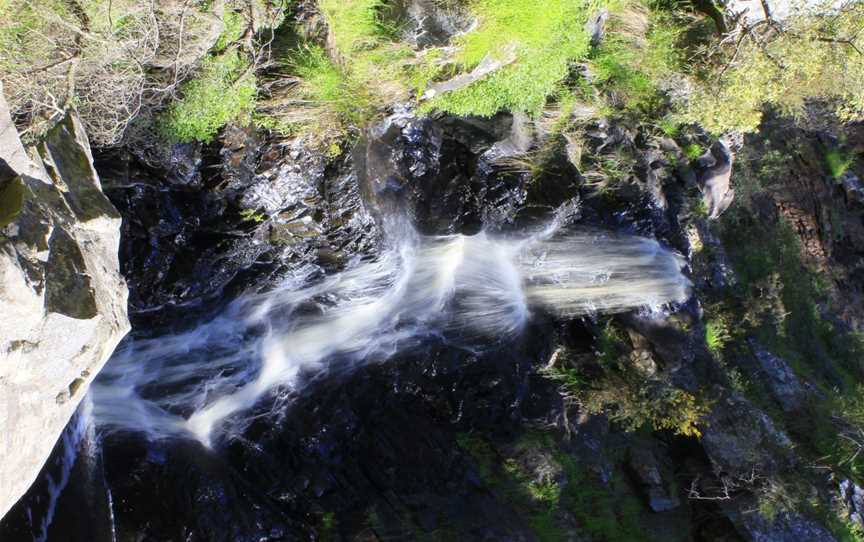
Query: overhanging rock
pixel 62 299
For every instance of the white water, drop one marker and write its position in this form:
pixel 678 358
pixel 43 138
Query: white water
pixel 477 289
pixel 80 432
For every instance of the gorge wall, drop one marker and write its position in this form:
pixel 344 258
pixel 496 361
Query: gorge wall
pixel 62 299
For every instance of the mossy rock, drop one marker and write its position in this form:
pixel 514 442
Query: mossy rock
pixel 11 201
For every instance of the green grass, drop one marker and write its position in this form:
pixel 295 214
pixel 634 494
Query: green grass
pixel 546 36
pixel 355 25
pixel 538 502
pixel 327 86
pixel 838 162
pixel 218 95
pixel 640 50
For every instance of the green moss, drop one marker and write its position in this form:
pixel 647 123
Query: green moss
pixel 537 501
pixel 11 201
pixel 222 92
pixel 605 513
pixel 780 296
pixel 546 35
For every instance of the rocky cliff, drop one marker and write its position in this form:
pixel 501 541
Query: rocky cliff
pixel 62 299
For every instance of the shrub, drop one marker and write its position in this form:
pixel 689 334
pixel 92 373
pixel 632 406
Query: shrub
pixel 716 334
pixel 546 35
pixel 629 398
pixel 223 91
pixel 693 151
pixel 95 55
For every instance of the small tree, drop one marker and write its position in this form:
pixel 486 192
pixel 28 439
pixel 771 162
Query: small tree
pixel 817 53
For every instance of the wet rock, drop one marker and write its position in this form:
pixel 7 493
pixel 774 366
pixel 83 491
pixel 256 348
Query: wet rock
pixel 431 23
pixel 62 300
pixel 852 495
pixel 259 209
pixel 438 173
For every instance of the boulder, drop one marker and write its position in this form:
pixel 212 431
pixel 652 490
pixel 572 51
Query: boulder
pixel 716 177
pixel 62 299
pixel 740 440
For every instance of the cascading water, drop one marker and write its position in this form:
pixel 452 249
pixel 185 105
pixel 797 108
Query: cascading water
pixel 204 382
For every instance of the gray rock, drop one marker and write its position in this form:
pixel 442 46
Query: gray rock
pixel 595 26
pixel 790 392
pixel 853 187
pixel 740 440
pixel 487 67
pixel 716 178
pixel 852 496
pixel 431 24
pixel 784 527
pixel 62 299
pixel 648 473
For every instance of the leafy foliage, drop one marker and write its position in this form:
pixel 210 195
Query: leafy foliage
pixel 812 57
pixel 223 91
pixel 628 397
pixel 234 28
pixel 546 35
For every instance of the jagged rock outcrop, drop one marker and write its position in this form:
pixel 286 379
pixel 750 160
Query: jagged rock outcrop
pixel 62 299
pixel 716 179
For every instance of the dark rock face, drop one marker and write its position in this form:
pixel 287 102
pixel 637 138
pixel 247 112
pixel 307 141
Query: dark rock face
pixel 441 440
pixel 250 211
pixel 439 173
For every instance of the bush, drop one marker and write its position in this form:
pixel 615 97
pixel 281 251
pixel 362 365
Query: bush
pixel 546 34
pixel 96 55
pixel 223 91
pixel 628 397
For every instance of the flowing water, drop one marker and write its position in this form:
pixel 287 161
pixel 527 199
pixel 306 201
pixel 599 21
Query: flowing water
pixel 203 383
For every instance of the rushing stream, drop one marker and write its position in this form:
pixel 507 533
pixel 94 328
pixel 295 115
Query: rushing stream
pixel 470 290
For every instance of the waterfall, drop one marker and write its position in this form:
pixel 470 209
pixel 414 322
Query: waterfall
pixel 203 383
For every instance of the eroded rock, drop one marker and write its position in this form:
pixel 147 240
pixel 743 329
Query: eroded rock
pixel 62 299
